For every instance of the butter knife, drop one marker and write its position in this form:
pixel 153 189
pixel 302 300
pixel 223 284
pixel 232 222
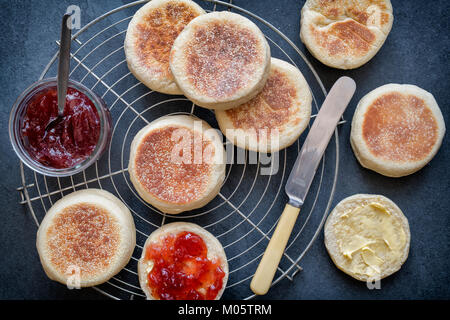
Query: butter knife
pixel 301 177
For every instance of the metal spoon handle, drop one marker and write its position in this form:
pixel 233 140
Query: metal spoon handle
pixel 63 63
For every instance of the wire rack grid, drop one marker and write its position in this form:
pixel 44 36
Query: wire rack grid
pixel 245 212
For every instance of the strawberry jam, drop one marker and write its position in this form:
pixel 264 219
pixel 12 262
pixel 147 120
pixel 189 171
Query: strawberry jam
pixel 181 269
pixel 66 142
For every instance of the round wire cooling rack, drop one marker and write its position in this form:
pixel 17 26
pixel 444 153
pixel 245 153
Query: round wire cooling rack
pixel 245 212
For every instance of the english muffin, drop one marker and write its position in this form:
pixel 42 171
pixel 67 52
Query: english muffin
pixel 86 238
pixel 397 129
pixel 177 163
pixel 149 39
pixel 182 261
pixel 367 237
pixel 345 34
pixel 220 60
pixel 276 117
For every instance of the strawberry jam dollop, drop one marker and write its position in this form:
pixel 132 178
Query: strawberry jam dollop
pixel 66 142
pixel 181 269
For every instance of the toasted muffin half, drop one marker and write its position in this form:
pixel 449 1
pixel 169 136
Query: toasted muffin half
pixel 367 236
pixel 86 238
pixel 345 34
pixel 149 39
pixel 182 260
pixel 177 163
pixel 276 117
pixel 220 60
pixel 397 129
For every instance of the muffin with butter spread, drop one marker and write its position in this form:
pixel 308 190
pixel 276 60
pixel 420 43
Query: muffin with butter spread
pixel 367 237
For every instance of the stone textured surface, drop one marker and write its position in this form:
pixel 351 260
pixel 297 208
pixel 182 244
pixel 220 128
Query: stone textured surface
pixel 416 52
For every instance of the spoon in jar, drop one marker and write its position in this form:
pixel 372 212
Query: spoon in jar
pixel 63 71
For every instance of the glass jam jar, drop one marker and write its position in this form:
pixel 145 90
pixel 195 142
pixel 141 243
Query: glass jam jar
pixel 73 143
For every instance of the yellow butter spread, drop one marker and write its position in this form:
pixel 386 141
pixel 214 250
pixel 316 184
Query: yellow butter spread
pixel 370 239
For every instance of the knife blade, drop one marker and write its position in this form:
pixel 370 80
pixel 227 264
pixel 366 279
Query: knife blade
pixel 301 177
pixel 316 142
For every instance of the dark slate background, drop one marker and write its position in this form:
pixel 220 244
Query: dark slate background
pixel 416 52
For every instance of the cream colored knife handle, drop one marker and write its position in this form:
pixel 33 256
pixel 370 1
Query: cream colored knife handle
pixel 269 263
